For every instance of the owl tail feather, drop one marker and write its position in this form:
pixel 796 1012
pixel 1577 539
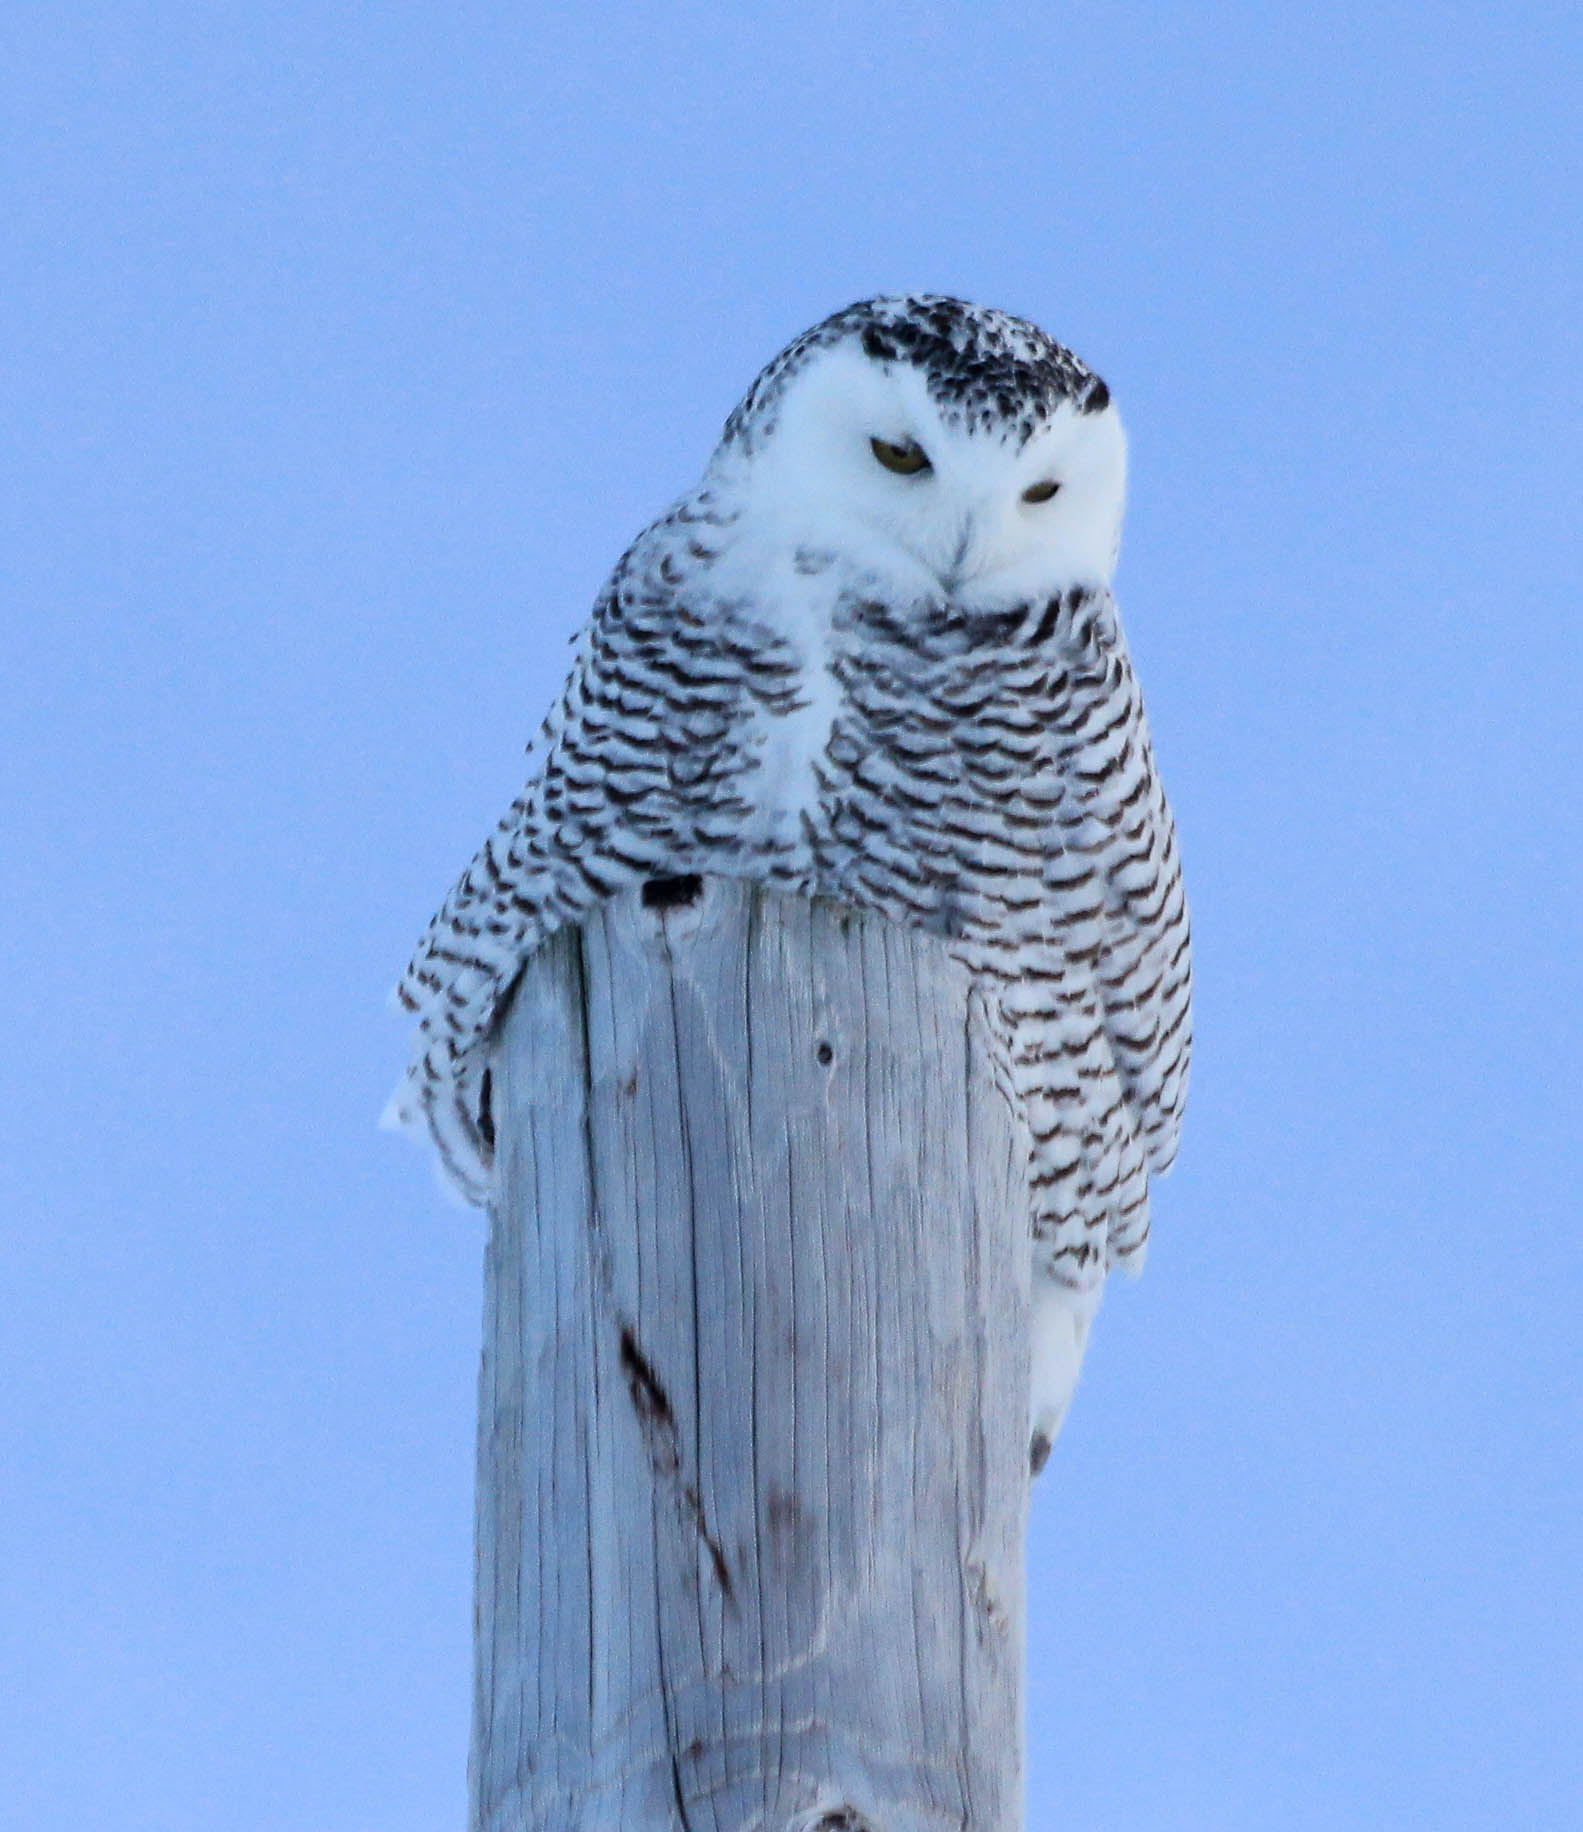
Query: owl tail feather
pixel 1060 1320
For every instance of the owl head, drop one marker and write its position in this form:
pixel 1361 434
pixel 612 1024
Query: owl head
pixel 952 444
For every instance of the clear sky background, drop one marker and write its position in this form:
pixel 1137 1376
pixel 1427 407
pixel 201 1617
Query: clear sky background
pixel 342 349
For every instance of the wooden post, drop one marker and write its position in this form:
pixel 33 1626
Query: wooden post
pixel 753 1434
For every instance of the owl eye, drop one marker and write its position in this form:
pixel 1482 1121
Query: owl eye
pixel 1040 492
pixel 905 459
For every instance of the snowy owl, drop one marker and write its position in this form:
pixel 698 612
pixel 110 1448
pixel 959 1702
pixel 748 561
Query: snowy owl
pixel 874 656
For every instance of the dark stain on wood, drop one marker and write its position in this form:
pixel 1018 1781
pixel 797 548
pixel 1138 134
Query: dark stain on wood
pixel 652 1401
pixel 657 1418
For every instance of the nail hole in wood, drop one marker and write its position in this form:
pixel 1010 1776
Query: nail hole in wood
pixel 825 1054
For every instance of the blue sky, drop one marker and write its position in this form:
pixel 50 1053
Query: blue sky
pixel 343 348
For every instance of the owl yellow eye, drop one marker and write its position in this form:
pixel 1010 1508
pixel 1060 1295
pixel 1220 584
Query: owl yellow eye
pixel 1040 492
pixel 905 459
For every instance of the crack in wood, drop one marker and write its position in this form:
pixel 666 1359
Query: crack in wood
pixel 681 1798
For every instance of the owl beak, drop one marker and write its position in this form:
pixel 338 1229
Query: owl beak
pixel 950 576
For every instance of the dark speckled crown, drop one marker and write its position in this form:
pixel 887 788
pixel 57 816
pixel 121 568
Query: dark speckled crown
pixel 984 369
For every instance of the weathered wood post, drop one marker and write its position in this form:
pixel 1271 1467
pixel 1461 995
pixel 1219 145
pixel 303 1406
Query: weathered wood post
pixel 753 1476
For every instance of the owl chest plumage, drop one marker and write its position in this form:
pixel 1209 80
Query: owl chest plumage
pixel 925 755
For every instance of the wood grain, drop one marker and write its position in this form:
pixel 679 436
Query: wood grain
pixel 752 1478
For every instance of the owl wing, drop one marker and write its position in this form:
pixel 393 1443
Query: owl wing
pixel 1115 883
pixel 989 776
pixel 644 770
pixel 1144 973
pixel 1097 994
